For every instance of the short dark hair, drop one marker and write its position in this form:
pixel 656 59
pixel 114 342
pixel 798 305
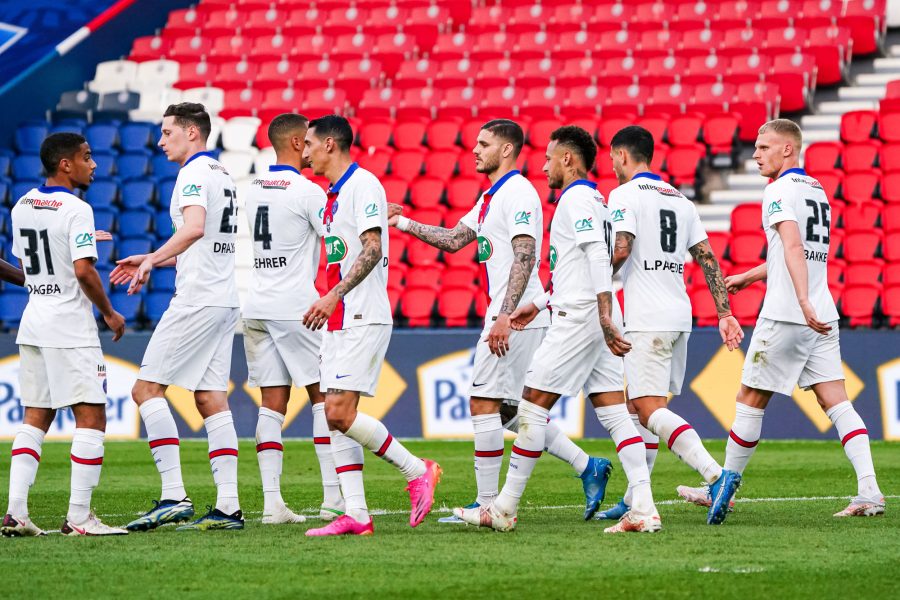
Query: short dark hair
pixel 509 131
pixel 58 146
pixel 577 139
pixel 283 126
pixel 334 126
pixel 636 140
pixel 190 113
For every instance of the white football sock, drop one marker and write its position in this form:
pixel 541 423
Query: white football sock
pixel 162 434
pixel 526 451
pixel 87 461
pixel 331 485
pixel 651 442
pixel 270 453
pixel 371 433
pixel 743 437
pixel 488 455
pixel 559 445
pixel 855 439
pixel 630 448
pixel 223 458
pixel 26 456
pixel 348 463
pixel 684 442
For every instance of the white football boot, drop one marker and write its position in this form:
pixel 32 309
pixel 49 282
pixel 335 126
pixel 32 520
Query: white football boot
pixel 633 522
pixel 863 507
pixel 19 527
pixel 91 526
pixel 487 516
pixel 282 515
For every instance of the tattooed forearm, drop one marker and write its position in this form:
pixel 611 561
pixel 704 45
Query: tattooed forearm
pixel 604 303
pixel 622 250
pixel 449 240
pixel 705 257
pixel 523 264
pixel 369 257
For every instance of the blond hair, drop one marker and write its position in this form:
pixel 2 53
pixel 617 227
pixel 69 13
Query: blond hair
pixel 785 128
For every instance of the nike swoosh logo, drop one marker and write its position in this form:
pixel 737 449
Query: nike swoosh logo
pixel 479 384
pixel 341 376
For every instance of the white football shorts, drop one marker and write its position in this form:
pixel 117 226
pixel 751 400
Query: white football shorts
pixel 784 354
pixel 503 377
pixel 352 358
pixel 191 348
pixel 574 355
pixel 55 378
pixel 281 352
pixel 656 363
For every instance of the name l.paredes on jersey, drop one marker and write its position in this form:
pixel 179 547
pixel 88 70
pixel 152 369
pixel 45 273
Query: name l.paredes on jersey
pixel 664 265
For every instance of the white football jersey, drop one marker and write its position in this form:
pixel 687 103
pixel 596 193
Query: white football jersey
pixel 665 225
pixel 52 228
pixel 284 210
pixel 357 204
pixel 205 271
pixel 581 217
pixel 795 196
pixel 513 208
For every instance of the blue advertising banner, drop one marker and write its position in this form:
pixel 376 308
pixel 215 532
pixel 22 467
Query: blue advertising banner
pixel 423 391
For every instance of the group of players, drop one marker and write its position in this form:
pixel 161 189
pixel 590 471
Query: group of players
pixel 536 345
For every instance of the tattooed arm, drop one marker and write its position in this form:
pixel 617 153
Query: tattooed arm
pixel 622 250
pixel 729 328
pixel 319 313
pixel 448 240
pixel 523 263
pixel 617 344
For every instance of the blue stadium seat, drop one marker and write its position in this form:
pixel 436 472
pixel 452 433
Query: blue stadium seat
pixel 5 161
pixel 136 136
pixel 162 279
pixel 163 225
pixel 11 307
pixel 27 166
pixel 114 106
pixel 29 136
pixel 68 126
pixel 133 165
pixel 106 163
pixel 4 190
pixel 4 221
pixel 163 168
pixel 102 193
pixel 105 253
pixel 155 304
pixel 132 246
pixel 135 223
pixel 104 219
pixel 6 251
pixel 128 306
pixel 166 189
pixel 102 137
pixel 22 187
pixel 76 103
pixel 137 193
pixel 104 271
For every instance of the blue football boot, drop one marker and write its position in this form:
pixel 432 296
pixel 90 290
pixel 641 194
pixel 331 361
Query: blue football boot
pixel 615 513
pixel 594 480
pixel 721 492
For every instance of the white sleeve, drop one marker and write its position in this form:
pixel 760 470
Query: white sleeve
pixel 470 219
pixel 315 210
pixel 369 206
pixel 191 189
pixel 621 213
pixel 522 214
pixel 542 300
pixel 587 217
pixel 81 234
pixel 698 233
pixel 600 268
pixel 777 207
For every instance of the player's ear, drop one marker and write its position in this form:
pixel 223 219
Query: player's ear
pixel 507 150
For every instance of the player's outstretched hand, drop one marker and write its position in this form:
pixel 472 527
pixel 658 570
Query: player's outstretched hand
pixel 522 316
pixel 617 344
pixel 321 310
pixel 125 269
pixel 394 212
pixel 809 313
pixel 140 277
pixel 735 283
pixel 498 338
pixel 102 236
pixel 116 324
pixel 731 332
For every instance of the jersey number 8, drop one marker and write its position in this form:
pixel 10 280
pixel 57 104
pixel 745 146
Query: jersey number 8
pixel 668 230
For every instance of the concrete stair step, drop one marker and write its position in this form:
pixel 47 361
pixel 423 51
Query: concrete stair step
pixel 733 197
pixel 862 92
pixel 887 64
pixel 839 108
pixel 745 181
pixel 877 78
pixel 820 122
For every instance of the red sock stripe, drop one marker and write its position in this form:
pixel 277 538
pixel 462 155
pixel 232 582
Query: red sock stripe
pixel 347 468
pixel 651 446
pixel 489 453
pixel 87 461
pixel 678 432
pixel 164 442
pixel 321 440
pixel 852 435
pixel 222 452
pixel 30 452
pixel 629 442
pixel 741 442
pixel 528 453
pixel 385 445
pixel 269 446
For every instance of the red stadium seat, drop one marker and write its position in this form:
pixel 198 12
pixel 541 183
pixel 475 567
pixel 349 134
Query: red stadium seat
pixel 889 126
pixel 891 248
pixel 858 125
pixel 397 242
pixel 420 254
pixel 861 156
pixel 443 163
pixel 461 274
pixel 836 269
pixel 463 192
pixel 863 272
pixel 417 304
pixel 190 47
pixel 464 258
pixel 408 164
pixel 890 304
pixel 376 160
pixel 408 135
pixel 890 187
pixel 858 303
pixel 889 159
pixel 720 133
pixel 862 245
pixel 322 101
pixel 442 134
pixel 426 191
pixel 426 277
pixel 396 189
pixel 866 20
pixel 682 165
pixel 862 217
pixel 703 307
pixel 831 181
pixel 822 156
pixel 891 274
pixel 376 133
pixel 890 218
pixel 718 241
pixel 684 130
pixel 749 247
pixel 455 304
pixel 860 187
pixel 746 305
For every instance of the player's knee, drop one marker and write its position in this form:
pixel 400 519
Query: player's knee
pixel 338 417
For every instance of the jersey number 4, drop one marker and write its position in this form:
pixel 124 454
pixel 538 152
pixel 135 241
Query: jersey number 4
pixel 35 239
pixel 815 220
pixel 261 228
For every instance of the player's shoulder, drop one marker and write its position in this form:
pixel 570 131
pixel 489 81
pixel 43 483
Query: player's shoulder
pixel 204 165
pixel 364 182
pixel 55 198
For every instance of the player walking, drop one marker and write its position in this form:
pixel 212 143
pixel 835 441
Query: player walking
pixel 573 355
pixel 796 339
pixel 357 313
pixel 191 346
pixel 656 226
pixel 284 211
pixel 508 223
pixel 61 362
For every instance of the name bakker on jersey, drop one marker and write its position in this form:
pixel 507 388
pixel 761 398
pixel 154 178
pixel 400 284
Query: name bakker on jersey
pixel 776 207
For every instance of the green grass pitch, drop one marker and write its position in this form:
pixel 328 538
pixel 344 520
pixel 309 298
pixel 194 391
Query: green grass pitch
pixel 773 546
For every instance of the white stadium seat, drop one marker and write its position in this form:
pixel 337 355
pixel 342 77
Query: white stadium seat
pixel 113 76
pixel 240 132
